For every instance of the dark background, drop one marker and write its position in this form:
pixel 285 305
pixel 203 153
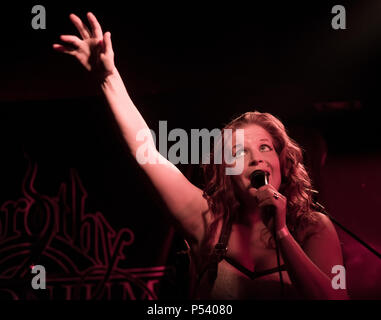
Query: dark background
pixel 199 66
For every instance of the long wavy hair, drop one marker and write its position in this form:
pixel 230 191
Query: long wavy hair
pixel 295 185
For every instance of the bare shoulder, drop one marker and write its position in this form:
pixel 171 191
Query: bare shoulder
pixel 322 221
pixel 316 224
pixel 322 244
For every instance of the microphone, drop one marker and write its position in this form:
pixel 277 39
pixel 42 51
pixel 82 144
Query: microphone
pixel 258 179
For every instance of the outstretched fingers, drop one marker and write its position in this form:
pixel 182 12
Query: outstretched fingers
pixel 95 26
pixel 107 43
pixel 64 49
pixel 81 27
pixel 72 40
pixel 72 43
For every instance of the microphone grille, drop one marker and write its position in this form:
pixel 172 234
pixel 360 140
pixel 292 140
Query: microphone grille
pixel 258 178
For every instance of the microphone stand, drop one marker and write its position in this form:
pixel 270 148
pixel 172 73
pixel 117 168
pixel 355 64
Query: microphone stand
pixel 362 242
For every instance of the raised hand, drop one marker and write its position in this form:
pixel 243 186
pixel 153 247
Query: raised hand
pixel 93 50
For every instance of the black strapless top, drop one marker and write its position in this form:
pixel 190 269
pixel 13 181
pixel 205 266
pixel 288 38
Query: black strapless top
pixel 253 274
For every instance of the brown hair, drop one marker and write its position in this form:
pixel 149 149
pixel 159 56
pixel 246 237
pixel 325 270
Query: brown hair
pixel 295 184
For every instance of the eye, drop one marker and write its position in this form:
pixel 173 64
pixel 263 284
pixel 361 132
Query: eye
pixel 240 153
pixel 265 147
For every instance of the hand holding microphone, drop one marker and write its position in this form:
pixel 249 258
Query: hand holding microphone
pixel 273 203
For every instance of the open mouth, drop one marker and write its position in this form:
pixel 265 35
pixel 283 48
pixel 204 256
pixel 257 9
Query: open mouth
pixel 259 178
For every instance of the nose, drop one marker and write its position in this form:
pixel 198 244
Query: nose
pixel 255 162
pixel 256 158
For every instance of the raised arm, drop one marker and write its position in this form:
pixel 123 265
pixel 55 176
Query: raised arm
pixel 94 51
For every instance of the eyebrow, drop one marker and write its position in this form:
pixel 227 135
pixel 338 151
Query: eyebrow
pixel 240 145
pixel 236 146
